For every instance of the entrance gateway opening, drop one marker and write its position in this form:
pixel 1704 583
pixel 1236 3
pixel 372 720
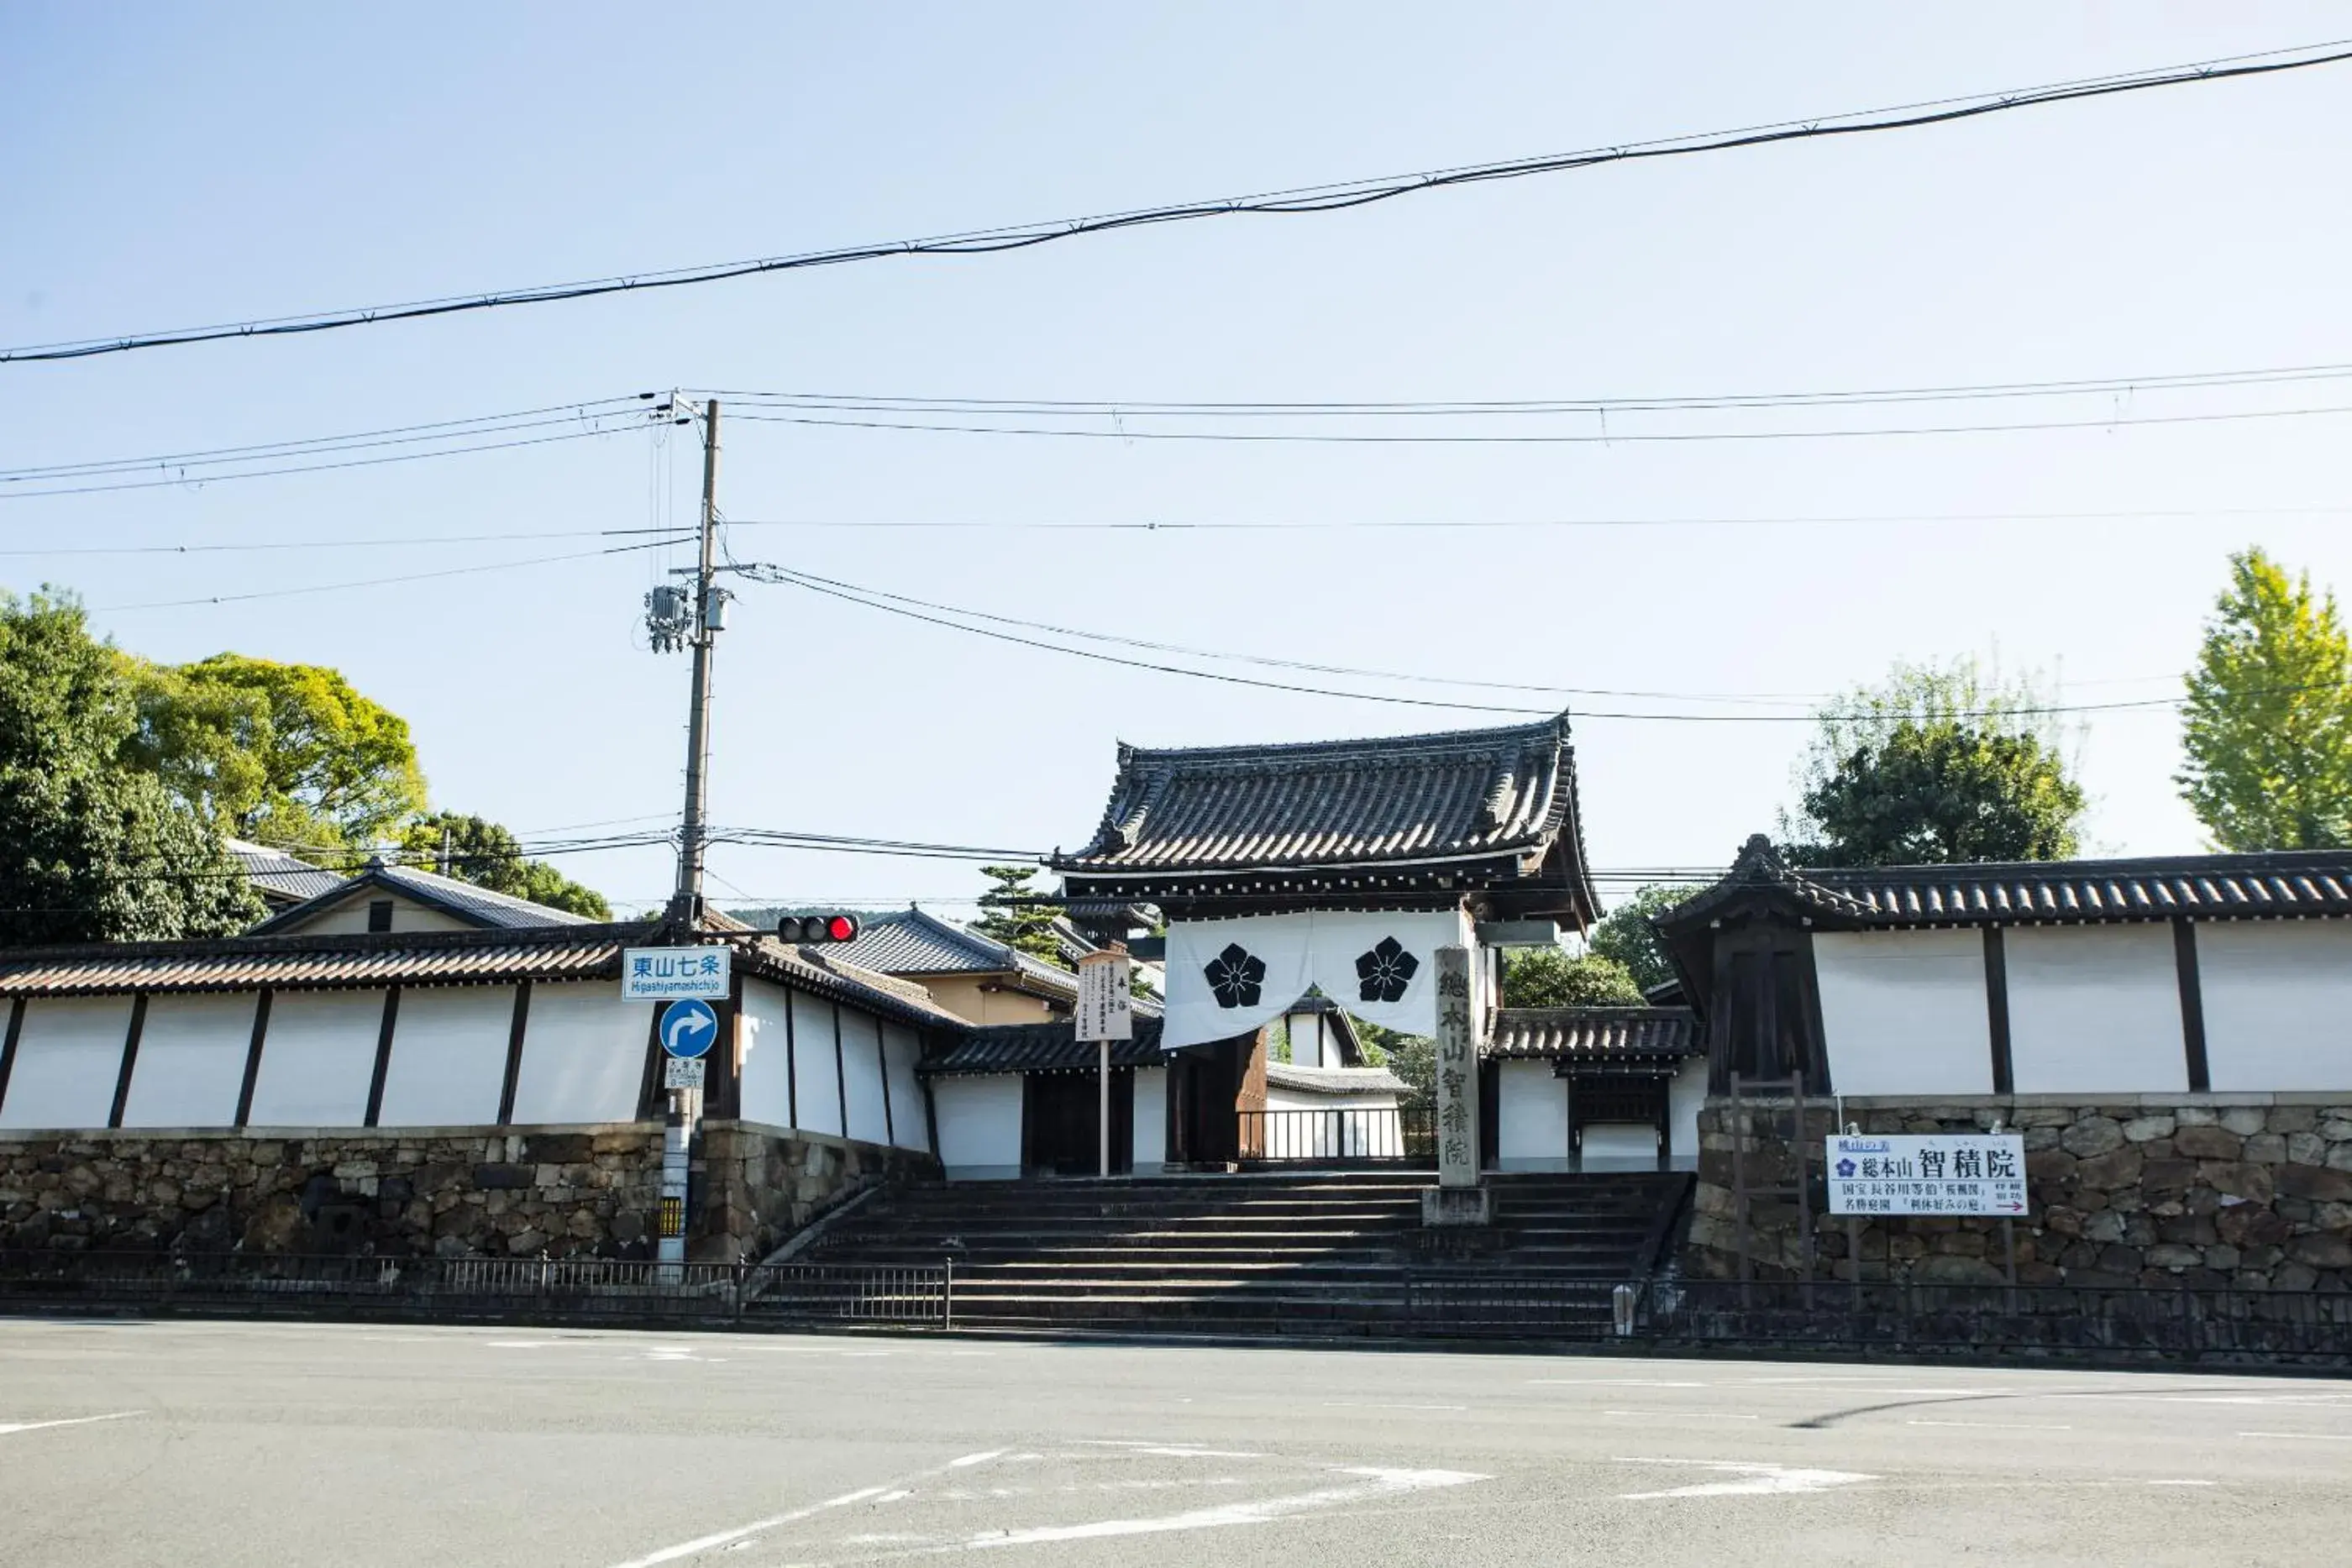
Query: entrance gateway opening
pixel 1296 894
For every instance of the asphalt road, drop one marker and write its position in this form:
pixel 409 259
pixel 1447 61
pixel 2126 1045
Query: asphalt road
pixel 197 1445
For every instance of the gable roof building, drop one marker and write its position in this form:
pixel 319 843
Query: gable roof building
pixel 394 898
pixel 280 879
pixel 1401 821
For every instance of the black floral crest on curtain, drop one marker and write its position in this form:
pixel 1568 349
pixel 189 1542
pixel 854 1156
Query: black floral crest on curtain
pixel 1385 972
pixel 1236 975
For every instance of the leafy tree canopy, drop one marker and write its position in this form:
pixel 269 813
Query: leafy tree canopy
pixel 2267 733
pixel 1553 977
pixel 288 754
pixel 1010 913
pixel 92 848
pixel 1624 934
pixel 1938 765
pixel 483 853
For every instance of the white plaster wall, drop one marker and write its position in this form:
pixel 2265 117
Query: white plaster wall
pixel 812 1059
pixel 861 1068
pixel 316 1057
pixel 351 919
pixel 2278 1003
pixel 1359 1127
pixel 1904 1011
pixel 1530 1118
pixel 1306 1032
pixel 2093 1009
pixel 1150 1118
pixel 980 1125
pixel 584 1055
pixel 1620 1146
pixel 909 1128
pixel 190 1065
pixel 1684 1095
pixel 766 1087
pixel 68 1054
pixel 448 1056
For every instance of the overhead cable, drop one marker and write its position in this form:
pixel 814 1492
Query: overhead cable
pixel 1306 199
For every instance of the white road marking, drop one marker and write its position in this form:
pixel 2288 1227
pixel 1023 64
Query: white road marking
pixel 1376 1484
pixel 1689 1415
pixel 1367 1405
pixel 1995 1425
pixel 2314 1436
pixel 1758 1480
pixel 720 1538
pixel 1608 1383
pixel 1166 1450
pixel 980 1458
pixel 7 1428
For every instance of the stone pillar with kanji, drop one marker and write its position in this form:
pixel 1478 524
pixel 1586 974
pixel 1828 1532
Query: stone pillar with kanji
pixel 1459 1198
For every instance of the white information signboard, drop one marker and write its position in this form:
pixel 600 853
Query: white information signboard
pixel 1972 1173
pixel 684 1071
pixel 664 974
pixel 1106 997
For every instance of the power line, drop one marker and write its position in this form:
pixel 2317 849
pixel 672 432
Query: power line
pixel 1593 438
pixel 176 480
pixel 379 582
pixel 862 597
pixel 1266 409
pixel 1297 202
pixel 1312 525
pixel 409 541
pixel 395 435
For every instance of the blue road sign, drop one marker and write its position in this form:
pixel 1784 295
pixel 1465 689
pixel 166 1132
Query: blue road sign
pixel 688 1028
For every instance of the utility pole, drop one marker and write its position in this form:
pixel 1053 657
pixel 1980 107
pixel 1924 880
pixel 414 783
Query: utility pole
pixel 709 609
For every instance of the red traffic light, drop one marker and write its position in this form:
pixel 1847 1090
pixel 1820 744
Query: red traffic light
pixel 808 929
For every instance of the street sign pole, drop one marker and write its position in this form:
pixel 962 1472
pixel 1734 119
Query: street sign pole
pixel 1106 1013
pixel 688 1030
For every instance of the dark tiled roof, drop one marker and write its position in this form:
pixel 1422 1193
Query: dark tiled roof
pixel 2280 883
pixel 1334 1079
pixel 1396 801
pixel 576 952
pixel 475 904
pixel 913 942
pixel 1595 1034
pixel 278 877
pixel 1040 1048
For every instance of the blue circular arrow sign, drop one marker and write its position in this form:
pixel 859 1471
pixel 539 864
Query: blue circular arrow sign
pixel 688 1028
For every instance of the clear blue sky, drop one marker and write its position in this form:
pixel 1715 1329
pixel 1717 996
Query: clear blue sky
pixel 168 166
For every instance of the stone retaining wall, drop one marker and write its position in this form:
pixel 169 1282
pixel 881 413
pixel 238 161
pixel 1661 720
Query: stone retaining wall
pixel 2252 1192
pixel 455 1192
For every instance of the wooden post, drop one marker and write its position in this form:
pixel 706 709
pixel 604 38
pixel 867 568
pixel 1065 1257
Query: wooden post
pixel 1103 1130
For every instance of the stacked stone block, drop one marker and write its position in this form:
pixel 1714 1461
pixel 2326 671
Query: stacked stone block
pixel 2162 1191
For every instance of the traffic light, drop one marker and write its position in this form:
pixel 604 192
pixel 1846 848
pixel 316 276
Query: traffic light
pixel 807 930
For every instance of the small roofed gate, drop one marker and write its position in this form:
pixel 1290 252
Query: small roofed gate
pixel 1336 867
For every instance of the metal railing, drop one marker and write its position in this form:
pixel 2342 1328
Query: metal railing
pixel 1390 1136
pixel 2056 1318
pixel 618 1289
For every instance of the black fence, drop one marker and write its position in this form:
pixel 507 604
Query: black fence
pixel 591 1290
pixel 1390 1136
pixel 2057 1319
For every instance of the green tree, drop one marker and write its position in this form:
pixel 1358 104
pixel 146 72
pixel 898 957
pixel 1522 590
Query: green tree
pixel 1625 936
pixel 1553 977
pixel 1011 912
pixel 2267 734
pixel 92 848
pixel 289 754
pixel 1937 765
pixel 483 853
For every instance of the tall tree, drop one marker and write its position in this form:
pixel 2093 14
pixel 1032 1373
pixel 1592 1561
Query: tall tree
pixel 290 754
pixel 1624 934
pixel 1010 913
pixel 92 847
pixel 481 852
pixel 1938 765
pixel 2267 734
pixel 1553 977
